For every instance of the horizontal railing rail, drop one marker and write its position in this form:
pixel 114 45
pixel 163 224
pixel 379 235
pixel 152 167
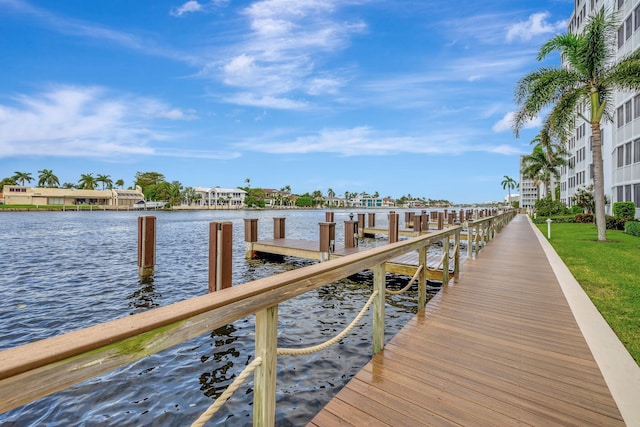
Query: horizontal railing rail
pixel 35 370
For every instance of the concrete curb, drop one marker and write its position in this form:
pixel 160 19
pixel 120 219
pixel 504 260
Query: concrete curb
pixel 620 371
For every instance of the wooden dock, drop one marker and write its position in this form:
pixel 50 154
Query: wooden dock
pixel 405 265
pixel 499 347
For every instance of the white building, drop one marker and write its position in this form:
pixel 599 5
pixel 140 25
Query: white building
pixel 620 139
pixel 529 191
pixel 217 196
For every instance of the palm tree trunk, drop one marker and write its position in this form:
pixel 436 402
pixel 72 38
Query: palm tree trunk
pixel 598 178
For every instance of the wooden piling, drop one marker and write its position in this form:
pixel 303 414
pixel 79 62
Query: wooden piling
pixel 393 227
pixel 371 220
pixel 220 255
pixel 327 240
pixel 146 245
pixel 350 234
pixel 440 220
pixel 328 217
pixel 278 228
pixel 417 223
pixel 250 236
pixel 360 225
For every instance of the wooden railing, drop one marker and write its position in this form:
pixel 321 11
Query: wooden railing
pixel 38 369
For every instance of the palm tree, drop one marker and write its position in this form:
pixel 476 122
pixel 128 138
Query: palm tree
pixel 105 180
pixel 87 182
pixel 120 183
pixel 331 194
pixel 542 166
pixel 590 77
pixel 21 177
pixel 509 184
pixel 47 178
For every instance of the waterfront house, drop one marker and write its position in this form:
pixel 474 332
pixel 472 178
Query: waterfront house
pixel 218 196
pixel 38 196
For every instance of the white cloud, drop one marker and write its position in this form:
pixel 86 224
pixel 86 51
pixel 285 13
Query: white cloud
pixel 265 101
pixel 282 52
pixel 366 141
pixel 506 123
pixel 536 25
pixel 188 7
pixel 82 122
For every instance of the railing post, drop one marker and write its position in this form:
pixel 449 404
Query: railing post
pixel 264 377
pixel 379 284
pixel 456 257
pixel 360 225
pixel 445 260
pixel 422 277
pixel 469 239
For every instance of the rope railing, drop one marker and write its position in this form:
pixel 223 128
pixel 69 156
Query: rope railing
pixel 222 399
pixel 406 288
pixel 334 340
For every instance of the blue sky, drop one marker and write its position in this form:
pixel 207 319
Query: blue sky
pixel 395 97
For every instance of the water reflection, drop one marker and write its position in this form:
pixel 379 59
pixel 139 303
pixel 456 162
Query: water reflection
pixel 145 296
pixel 214 383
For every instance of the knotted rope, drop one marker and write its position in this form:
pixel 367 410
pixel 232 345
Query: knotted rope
pixel 406 288
pixel 337 338
pixel 217 404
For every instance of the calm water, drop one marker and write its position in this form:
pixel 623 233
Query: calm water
pixel 64 271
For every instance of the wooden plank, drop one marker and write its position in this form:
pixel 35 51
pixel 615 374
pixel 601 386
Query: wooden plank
pixel 499 347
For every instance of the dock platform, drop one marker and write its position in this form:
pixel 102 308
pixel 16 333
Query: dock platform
pixel 499 347
pixel 405 265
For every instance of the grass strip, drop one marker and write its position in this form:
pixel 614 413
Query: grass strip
pixel 609 272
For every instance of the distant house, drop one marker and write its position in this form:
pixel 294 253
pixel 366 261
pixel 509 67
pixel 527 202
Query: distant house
pixel 218 196
pixel 277 198
pixel 21 195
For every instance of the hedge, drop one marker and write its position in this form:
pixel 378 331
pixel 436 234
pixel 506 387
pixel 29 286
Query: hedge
pixel 633 228
pixel 625 210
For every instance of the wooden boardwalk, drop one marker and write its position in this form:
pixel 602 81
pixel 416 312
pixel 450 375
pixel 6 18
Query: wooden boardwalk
pixel 499 347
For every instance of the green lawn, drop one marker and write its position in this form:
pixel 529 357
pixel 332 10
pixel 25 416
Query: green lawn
pixel 609 272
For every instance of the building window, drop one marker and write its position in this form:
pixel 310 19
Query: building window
pixel 636 15
pixel 591 171
pixel 627 111
pixel 627 153
pixel 620 4
pixel 620 156
pixel 636 152
pixel 620 36
pixel 636 106
pixel 620 112
pixel 636 194
pixel 620 193
pixel 628 23
pixel 627 193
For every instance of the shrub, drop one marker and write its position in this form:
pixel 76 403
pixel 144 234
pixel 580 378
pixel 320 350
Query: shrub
pixel 614 223
pixel 548 207
pixel 632 227
pixel 624 210
pixel 575 209
pixel 584 218
pixel 560 219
